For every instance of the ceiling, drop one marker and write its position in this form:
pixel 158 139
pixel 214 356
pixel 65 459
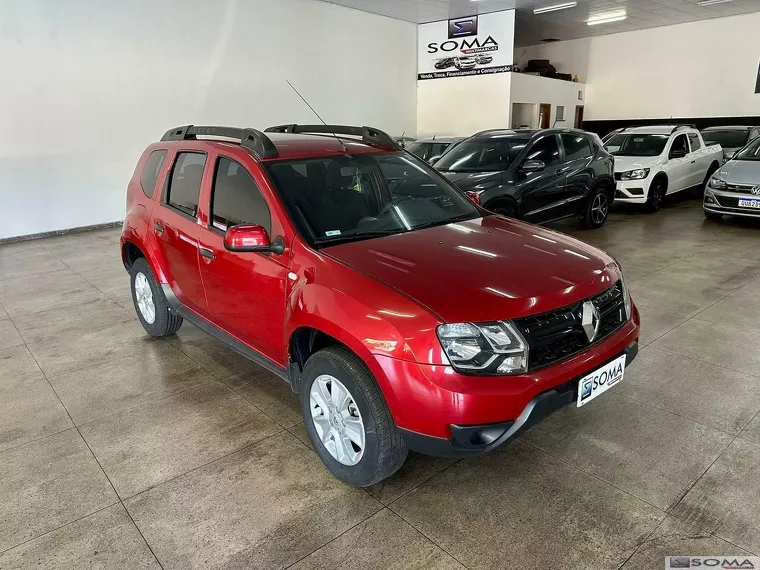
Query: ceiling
pixel 563 24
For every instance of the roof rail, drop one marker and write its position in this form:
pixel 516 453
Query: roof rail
pixel 367 134
pixel 684 126
pixel 490 131
pixel 251 139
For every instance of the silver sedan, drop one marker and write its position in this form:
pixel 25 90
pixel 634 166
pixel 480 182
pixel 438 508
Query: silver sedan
pixel 735 188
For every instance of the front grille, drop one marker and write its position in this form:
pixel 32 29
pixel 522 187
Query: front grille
pixel 559 334
pixel 727 201
pixel 740 188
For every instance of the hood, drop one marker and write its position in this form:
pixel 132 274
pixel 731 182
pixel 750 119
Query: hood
pixel 468 181
pixel 740 172
pixel 486 269
pixel 626 163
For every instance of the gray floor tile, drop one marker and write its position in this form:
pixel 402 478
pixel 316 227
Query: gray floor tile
pixel 752 431
pixel 382 542
pixel 47 484
pixel 106 539
pixel 26 263
pixel 739 312
pixel 705 393
pixel 8 334
pixel 726 500
pixel 718 343
pixel 264 507
pixel 657 321
pixel 145 446
pixel 676 538
pixel 269 393
pixel 58 289
pixel 215 357
pixel 17 368
pixel 648 452
pixel 521 508
pixel 160 370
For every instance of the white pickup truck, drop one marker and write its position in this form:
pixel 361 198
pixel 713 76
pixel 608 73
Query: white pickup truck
pixel 651 162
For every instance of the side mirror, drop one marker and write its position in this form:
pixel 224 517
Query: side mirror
pixel 532 166
pixel 677 153
pixel 433 160
pixel 252 238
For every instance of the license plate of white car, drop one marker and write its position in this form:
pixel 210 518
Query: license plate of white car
pixel 600 380
pixel 749 203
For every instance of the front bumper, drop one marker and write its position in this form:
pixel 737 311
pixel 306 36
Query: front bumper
pixel 437 408
pixel 472 440
pixel 632 191
pixel 720 202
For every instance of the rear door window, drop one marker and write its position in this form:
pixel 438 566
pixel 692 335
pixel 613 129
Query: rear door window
pixel 236 198
pixel 694 140
pixel 185 183
pixel 576 147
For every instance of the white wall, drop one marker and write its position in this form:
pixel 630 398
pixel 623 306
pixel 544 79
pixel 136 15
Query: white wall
pixel 524 114
pixel 534 89
pixel 87 84
pixel 699 69
pixel 461 106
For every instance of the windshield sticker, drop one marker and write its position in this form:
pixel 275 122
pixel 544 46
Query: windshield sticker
pixel 332 233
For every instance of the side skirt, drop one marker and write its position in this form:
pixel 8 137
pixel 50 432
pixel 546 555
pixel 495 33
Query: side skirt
pixel 223 337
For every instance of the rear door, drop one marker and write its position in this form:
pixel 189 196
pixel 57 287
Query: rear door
pixel 175 225
pixel 580 174
pixel 700 159
pixel 542 194
pixel 245 291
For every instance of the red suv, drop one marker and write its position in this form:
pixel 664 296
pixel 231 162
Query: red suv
pixel 404 315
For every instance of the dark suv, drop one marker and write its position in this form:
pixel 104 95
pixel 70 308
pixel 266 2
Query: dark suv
pixel 404 315
pixel 537 176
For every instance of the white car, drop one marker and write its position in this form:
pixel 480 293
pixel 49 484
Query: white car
pixel 651 162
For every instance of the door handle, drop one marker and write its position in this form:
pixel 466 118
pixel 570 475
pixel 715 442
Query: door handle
pixel 693 161
pixel 158 227
pixel 207 253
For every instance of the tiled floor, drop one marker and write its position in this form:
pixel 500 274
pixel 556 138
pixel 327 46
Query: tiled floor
pixel 120 451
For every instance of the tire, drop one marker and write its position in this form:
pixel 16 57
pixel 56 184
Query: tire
pixel 384 450
pixel 656 195
pixel 164 321
pixel 713 216
pixel 597 209
pixel 506 210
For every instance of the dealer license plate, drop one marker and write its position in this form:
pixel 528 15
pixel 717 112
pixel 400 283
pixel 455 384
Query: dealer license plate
pixel 600 380
pixel 749 203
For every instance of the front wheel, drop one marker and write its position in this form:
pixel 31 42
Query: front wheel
pixel 656 196
pixel 597 209
pixel 347 419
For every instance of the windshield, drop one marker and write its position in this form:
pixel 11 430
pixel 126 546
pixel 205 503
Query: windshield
pixel 750 152
pixel 726 139
pixel 636 145
pixel 427 150
pixel 482 155
pixel 347 198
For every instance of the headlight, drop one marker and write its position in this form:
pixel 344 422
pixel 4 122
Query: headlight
pixel 626 296
pixel 717 183
pixel 485 348
pixel 635 174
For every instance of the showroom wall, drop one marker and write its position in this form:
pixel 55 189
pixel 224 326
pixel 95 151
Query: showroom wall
pixel 533 89
pixel 94 82
pixel 699 69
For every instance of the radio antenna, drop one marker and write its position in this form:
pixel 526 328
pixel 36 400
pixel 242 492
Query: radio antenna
pixel 337 138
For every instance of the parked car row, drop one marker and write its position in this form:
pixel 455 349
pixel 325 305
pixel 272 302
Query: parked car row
pixel 405 315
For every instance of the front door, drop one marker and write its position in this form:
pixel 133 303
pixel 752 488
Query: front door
pixel 679 164
pixel 175 225
pixel 699 160
pixel 542 194
pixel 245 291
pixel 580 176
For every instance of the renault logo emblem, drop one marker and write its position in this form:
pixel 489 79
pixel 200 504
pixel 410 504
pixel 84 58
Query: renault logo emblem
pixel 756 190
pixel 590 320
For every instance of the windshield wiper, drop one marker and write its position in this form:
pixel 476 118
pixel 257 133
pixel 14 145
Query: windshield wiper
pixel 453 220
pixel 358 236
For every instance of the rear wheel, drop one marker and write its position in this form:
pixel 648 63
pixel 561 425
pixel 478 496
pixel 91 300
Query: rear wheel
pixel 506 210
pixel 347 419
pixel 656 195
pixel 597 209
pixel 713 216
pixel 151 305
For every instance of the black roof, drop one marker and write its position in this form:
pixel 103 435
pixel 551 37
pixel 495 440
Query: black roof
pixel 491 133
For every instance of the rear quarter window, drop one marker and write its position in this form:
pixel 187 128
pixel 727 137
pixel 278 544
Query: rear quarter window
pixel 150 172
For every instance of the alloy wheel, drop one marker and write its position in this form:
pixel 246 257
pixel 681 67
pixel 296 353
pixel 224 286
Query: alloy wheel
pixel 337 419
pixel 144 297
pixel 599 208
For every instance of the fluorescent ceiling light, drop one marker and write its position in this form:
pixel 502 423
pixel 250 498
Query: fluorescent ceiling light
pixel 711 2
pixel 607 18
pixel 555 7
